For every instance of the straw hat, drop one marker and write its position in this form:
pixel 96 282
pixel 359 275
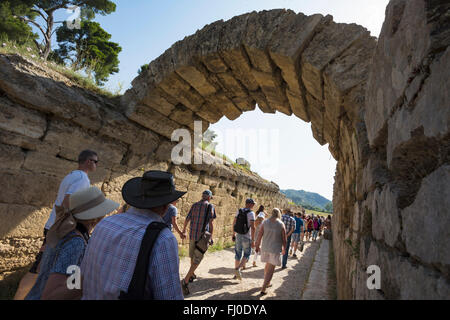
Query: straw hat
pixel 90 203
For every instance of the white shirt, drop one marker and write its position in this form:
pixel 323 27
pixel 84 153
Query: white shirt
pixel 74 181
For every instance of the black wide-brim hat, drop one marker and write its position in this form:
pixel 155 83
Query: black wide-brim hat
pixel 155 188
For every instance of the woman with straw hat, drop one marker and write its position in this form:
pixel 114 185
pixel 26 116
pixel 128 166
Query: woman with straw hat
pixel 66 242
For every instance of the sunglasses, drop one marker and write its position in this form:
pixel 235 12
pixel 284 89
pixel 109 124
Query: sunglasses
pixel 95 161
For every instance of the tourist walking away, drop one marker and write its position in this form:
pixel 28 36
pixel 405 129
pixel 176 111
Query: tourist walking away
pixel 297 235
pixel 170 218
pixel 309 225
pixel 273 236
pixel 200 216
pixel 134 255
pixel 315 228
pixel 244 236
pixel 75 180
pixel 260 217
pixel 66 244
pixel 289 223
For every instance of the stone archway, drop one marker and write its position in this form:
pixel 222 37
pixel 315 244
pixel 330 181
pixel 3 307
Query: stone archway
pixel 306 66
pixel 369 100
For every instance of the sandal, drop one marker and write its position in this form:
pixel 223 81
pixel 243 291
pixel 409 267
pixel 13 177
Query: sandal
pixel 263 293
pixel 192 278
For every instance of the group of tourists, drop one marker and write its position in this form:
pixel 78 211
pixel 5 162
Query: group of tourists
pixel 134 254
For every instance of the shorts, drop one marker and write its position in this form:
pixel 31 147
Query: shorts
pixel 194 254
pixel 272 258
pixel 242 244
pixel 295 237
pixel 38 258
pixel 309 230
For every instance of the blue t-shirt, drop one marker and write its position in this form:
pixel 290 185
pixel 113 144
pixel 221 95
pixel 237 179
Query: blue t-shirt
pixel 171 212
pixel 71 252
pixel 298 224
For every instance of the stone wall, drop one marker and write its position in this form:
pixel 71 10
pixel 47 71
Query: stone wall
pixel 382 107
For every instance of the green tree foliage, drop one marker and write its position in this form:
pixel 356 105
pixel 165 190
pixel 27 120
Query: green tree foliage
pixel 89 49
pixel 46 9
pixel 329 207
pixel 14 29
pixel 208 140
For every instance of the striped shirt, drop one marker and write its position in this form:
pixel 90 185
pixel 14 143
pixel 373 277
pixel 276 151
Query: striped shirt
pixel 197 216
pixel 289 222
pixel 112 252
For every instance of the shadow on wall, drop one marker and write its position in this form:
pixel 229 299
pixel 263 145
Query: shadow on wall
pixel 10 282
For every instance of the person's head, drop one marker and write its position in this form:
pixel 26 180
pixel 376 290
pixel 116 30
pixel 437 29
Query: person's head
pixel 276 213
pixel 207 195
pixel 154 191
pixel 260 209
pixel 87 161
pixel 250 203
pixel 329 217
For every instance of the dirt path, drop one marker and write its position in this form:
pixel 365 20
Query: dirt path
pixel 215 277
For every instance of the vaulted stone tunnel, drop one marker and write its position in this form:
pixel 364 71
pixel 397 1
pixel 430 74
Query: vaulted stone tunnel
pixel 382 106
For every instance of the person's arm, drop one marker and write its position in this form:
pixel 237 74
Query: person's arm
pixel 258 240
pixel 69 254
pixel 291 230
pixel 163 271
pixel 56 289
pixel 252 228
pixel 186 221
pixel 175 225
pixel 234 232
pixel 65 202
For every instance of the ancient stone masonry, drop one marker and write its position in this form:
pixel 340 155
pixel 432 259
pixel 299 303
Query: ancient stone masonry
pixel 45 121
pixel 382 106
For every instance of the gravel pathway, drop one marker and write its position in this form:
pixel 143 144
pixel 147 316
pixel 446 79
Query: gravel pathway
pixel 215 277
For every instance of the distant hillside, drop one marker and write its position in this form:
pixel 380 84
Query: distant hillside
pixel 309 200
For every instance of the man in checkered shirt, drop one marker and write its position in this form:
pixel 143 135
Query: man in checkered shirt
pixel 289 223
pixel 199 211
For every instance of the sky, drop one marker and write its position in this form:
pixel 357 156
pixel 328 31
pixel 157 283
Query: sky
pixel 287 152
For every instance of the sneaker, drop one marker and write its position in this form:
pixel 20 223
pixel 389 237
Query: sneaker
pixel 237 273
pixel 254 263
pixel 184 287
pixel 192 278
pixel 283 267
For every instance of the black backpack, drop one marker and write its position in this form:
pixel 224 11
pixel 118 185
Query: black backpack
pixel 136 289
pixel 241 225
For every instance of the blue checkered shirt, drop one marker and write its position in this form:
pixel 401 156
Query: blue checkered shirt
pixel 112 252
pixel 289 222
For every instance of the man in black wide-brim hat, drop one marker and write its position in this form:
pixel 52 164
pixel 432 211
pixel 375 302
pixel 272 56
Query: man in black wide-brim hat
pixel 111 261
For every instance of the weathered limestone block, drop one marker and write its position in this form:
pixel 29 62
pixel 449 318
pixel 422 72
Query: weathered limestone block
pixel 152 120
pixel 48 164
pixel 426 220
pixel 298 106
pixel 327 45
pixel 430 111
pixel 385 216
pixel 31 186
pixel 345 72
pixel 224 105
pixel 11 157
pixel 42 93
pixel 179 89
pixel 15 118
